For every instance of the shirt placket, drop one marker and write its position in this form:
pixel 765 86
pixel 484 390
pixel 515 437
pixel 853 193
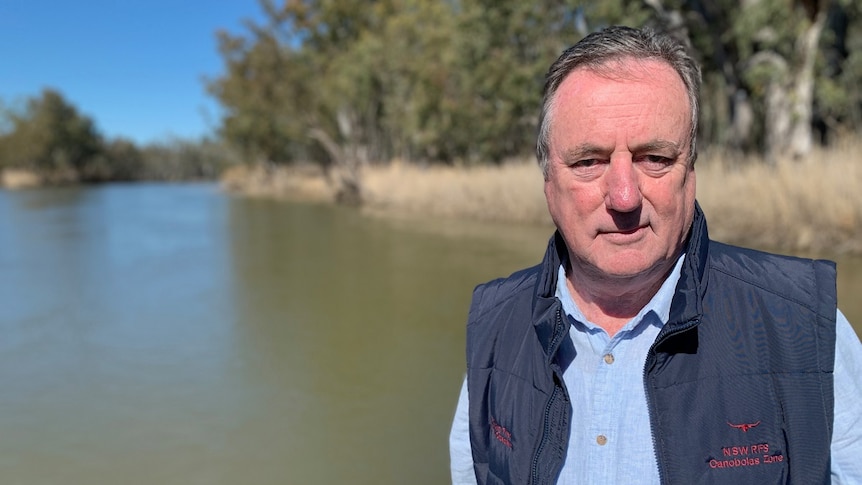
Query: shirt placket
pixel 606 411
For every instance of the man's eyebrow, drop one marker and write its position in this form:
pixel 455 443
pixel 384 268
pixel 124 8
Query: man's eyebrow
pixel 589 150
pixel 585 150
pixel 657 145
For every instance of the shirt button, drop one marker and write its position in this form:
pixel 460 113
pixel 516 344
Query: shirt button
pixel 609 358
pixel 602 440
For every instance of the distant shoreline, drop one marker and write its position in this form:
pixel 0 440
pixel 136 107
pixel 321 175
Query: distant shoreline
pixel 805 206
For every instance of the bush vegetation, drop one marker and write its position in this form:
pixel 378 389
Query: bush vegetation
pixel 48 141
pixel 349 84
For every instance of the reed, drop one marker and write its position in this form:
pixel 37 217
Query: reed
pixel 812 204
pixel 794 205
pixel 305 183
pixel 508 193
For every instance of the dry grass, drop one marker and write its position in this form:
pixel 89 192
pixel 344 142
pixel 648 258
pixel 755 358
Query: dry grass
pixel 16 178
pixel 19 179
pixel 808 205
pixel 300 184
pixel 510 193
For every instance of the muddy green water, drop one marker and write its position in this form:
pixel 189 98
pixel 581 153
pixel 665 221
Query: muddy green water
pixel 169 334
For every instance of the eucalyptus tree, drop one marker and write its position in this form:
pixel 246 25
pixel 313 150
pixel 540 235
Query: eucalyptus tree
pixel 773 69
pixel 345 84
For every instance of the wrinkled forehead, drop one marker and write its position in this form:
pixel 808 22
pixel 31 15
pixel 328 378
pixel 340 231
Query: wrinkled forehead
pixel 626 68
pixel 655 71
pixel 638 103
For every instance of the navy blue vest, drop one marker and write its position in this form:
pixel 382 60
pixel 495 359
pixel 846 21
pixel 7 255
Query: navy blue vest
pixel 739 381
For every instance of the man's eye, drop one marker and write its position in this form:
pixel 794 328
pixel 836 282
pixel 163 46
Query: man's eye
pixel 590 162
pixel 657 159
pixel 655 163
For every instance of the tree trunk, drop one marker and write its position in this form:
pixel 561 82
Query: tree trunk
pixel 790 94
pixel 803 100
pixel 778 116
pixel 344 171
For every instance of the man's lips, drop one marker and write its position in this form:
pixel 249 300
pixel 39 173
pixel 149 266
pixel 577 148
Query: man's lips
pixel 624 235
pixel 623 231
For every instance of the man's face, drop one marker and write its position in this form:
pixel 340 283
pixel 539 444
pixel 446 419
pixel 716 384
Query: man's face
pixel 619 186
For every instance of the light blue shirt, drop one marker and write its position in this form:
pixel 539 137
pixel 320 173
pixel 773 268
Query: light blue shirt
pixel 610 439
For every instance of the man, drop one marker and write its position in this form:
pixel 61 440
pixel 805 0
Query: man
pixel 639 351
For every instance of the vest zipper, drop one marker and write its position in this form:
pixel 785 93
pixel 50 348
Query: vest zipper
pixel 650 361
pixel 534 470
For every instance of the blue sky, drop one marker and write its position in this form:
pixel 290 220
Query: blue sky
pixel 136 67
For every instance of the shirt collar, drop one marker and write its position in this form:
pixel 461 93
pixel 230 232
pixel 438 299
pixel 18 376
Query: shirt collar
pixel 659 305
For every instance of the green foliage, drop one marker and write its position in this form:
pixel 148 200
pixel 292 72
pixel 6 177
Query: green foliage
pixel 50 138
pixel 764 25
pixel 262 74
pixel 459 81
pixel 839 89
pixel 410 79
pixel 746 48
pixel 508 47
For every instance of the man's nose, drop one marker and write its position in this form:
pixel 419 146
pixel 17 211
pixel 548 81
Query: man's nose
pixel 623 188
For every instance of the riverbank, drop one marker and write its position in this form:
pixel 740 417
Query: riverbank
pixel 16 179
pixel 810 205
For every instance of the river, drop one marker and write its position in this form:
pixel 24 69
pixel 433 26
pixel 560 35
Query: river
pixel 170 334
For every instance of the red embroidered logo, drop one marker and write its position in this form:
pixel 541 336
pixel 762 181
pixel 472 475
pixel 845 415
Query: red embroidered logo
pixel 502 434
pixel 744 427
pixel 745 455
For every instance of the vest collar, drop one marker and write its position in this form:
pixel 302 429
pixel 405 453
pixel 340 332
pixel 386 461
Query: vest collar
pixel 685 306
pixel 547 310
pixel 687 303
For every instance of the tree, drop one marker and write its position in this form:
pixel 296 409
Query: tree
pixel 838 88
pixel 264 89
pixel 762 85
pixel 50 137
pixel 781 67
pixel 177 159
pixel 345 84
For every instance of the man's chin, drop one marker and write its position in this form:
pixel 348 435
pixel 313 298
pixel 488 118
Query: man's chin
pixel 633 267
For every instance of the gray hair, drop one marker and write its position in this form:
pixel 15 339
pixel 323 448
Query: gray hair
pixel 612 44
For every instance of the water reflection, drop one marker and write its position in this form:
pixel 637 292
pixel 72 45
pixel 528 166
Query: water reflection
pixel 361 327
pixel 171 335
pixel 111 354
